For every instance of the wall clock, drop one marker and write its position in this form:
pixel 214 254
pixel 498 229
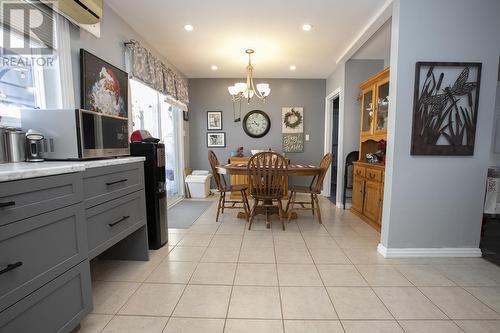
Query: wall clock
pixel 256 123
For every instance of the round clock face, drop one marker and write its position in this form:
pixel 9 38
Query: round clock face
pixel 256 123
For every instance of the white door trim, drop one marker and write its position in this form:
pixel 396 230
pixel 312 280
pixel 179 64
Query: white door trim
pixel 328 143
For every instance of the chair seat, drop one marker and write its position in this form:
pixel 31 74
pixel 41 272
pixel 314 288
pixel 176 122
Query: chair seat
pixel 235 188
pixel 302 189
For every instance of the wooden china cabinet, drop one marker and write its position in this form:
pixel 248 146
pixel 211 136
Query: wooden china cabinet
pixel 368 178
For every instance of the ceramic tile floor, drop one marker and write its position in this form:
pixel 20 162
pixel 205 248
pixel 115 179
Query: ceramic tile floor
pixel 220 277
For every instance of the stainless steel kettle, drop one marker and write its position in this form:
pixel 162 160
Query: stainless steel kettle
pixel 33 144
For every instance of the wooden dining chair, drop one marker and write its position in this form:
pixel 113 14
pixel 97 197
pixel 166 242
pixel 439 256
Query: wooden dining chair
pixel 224 188
pixel 313 190
pixel 267 175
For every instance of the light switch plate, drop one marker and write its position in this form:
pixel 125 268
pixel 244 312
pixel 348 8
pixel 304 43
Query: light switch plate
pixel 307 137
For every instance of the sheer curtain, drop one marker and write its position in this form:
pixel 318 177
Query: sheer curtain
pixel 64 57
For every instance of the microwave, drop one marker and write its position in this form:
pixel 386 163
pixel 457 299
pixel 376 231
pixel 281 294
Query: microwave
pixel 78 134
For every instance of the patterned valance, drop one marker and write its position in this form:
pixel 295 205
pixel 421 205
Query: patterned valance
pixel 146 67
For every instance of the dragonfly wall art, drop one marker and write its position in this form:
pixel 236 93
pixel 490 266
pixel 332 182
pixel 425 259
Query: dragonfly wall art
pixel 445 108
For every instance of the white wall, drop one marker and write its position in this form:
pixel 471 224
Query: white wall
pixel 436 202
pixel 378 46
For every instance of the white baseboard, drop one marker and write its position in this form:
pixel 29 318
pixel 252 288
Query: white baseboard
pixel 428 252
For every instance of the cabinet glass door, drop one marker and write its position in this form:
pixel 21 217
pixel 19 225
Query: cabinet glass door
pixel 368 112
pixel 382 107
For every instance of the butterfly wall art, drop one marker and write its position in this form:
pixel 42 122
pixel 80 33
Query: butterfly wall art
pixel 445 108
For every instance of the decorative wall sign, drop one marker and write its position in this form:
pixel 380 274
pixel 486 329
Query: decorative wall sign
pixel 216 139
pixel 292 128
pixel 214 120
pixel 445 108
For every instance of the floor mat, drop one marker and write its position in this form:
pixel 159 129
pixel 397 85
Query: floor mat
pixel 186 212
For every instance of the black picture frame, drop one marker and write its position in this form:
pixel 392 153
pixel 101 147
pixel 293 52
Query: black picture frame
pixel 185 115
pixel 93 70
pixel 445 108
pixel 214 127
pixel 212 145
pixel 244 124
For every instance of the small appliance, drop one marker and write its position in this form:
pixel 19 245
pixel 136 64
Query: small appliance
pixel 3 146
pixel 15 144
pixel 33 144
pixel 78 134
pixel 156 194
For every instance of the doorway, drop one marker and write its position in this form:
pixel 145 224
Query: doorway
pixel 335 148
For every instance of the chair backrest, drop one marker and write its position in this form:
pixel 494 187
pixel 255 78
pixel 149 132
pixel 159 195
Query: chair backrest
pixel 325 163
pixel 214 163
pixel 267 175
pixel 348 171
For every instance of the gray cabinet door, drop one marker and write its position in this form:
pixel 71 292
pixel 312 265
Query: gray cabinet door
pixel 39 249
pixel 21 199
pixel 59 306
pixel 112 221
pixel 111 182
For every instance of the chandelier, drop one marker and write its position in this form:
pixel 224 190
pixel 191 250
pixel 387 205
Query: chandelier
pixel 241 90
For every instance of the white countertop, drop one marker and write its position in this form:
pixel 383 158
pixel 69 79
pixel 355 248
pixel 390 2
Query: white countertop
pixel 24 170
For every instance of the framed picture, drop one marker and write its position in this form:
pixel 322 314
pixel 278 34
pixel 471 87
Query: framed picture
pixel 214 120
pixel 216 139
pixel 104 87
pixel 185 115
pixel 445 108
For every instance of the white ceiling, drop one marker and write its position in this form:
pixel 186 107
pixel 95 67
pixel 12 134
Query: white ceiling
pixel 223 29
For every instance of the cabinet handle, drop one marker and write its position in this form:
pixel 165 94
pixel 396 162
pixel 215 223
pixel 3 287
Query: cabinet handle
pixel 117 182
pixel 11 267
pixel 7 204
pixel 119 221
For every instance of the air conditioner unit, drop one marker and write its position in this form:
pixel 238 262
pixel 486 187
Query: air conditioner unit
pixel 82 12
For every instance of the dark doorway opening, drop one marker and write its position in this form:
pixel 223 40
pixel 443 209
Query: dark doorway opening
pixel 335 148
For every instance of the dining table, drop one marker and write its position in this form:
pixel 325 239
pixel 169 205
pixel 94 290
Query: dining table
pixel 297 170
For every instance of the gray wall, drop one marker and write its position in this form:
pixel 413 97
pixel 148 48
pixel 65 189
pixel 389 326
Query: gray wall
pixel 212 94
pixel 378 46
pixel 433 201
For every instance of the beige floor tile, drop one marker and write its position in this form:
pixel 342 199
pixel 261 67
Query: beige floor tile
pixel 172 272
pixel 134 324
pixel 322 242
pixel 357 242
pixel 293 255
pixel 109 297
pixel 372 326
pixel 365 256
pixel 255 302
pixel 424 276
pixel 408 303
pixel 194 325
pixel 357 303
pixel 186 253
pixel 94 323
pixel 458 303
pixel 231 228
pixel 298 275
pixel 488 295
pixel 259 241
pixel 341 276
pixel 469 275
pixel 122 271
pixel 313 326
pixel 207 229
pixel 256 275
pixel 221 254
pixel 174 238
pixel 306 303
pixel 226 241
pixel 382 275
pixel 323 256
pixel 153 300
pixel 253 326
pixel 214 273
pixel 479 326
pixel 203 301
pixel 257 255
pixel 426 326
pixel 195 240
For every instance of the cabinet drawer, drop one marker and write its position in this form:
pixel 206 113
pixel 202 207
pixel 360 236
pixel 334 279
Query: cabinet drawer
pixel 25 198
pixel 111 182
pixel 374 175
pixel 359 171
pixel 112 221
pixel 59 306
pixel 38 249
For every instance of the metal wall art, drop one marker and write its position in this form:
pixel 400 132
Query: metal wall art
pixel 445 108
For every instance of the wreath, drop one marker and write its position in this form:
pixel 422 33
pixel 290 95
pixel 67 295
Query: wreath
pixel 290 114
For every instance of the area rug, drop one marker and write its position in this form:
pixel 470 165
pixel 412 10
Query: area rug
pixel 186 212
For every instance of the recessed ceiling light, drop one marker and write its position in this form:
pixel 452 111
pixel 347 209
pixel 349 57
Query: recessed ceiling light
pixel 188 27
pixel 293 67
pixel 214 67
pixel 307 27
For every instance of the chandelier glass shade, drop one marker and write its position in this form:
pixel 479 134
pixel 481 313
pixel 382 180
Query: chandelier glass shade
pixel 247 90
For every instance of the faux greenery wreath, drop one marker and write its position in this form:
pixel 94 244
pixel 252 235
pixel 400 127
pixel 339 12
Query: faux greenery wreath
pixel 290 114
